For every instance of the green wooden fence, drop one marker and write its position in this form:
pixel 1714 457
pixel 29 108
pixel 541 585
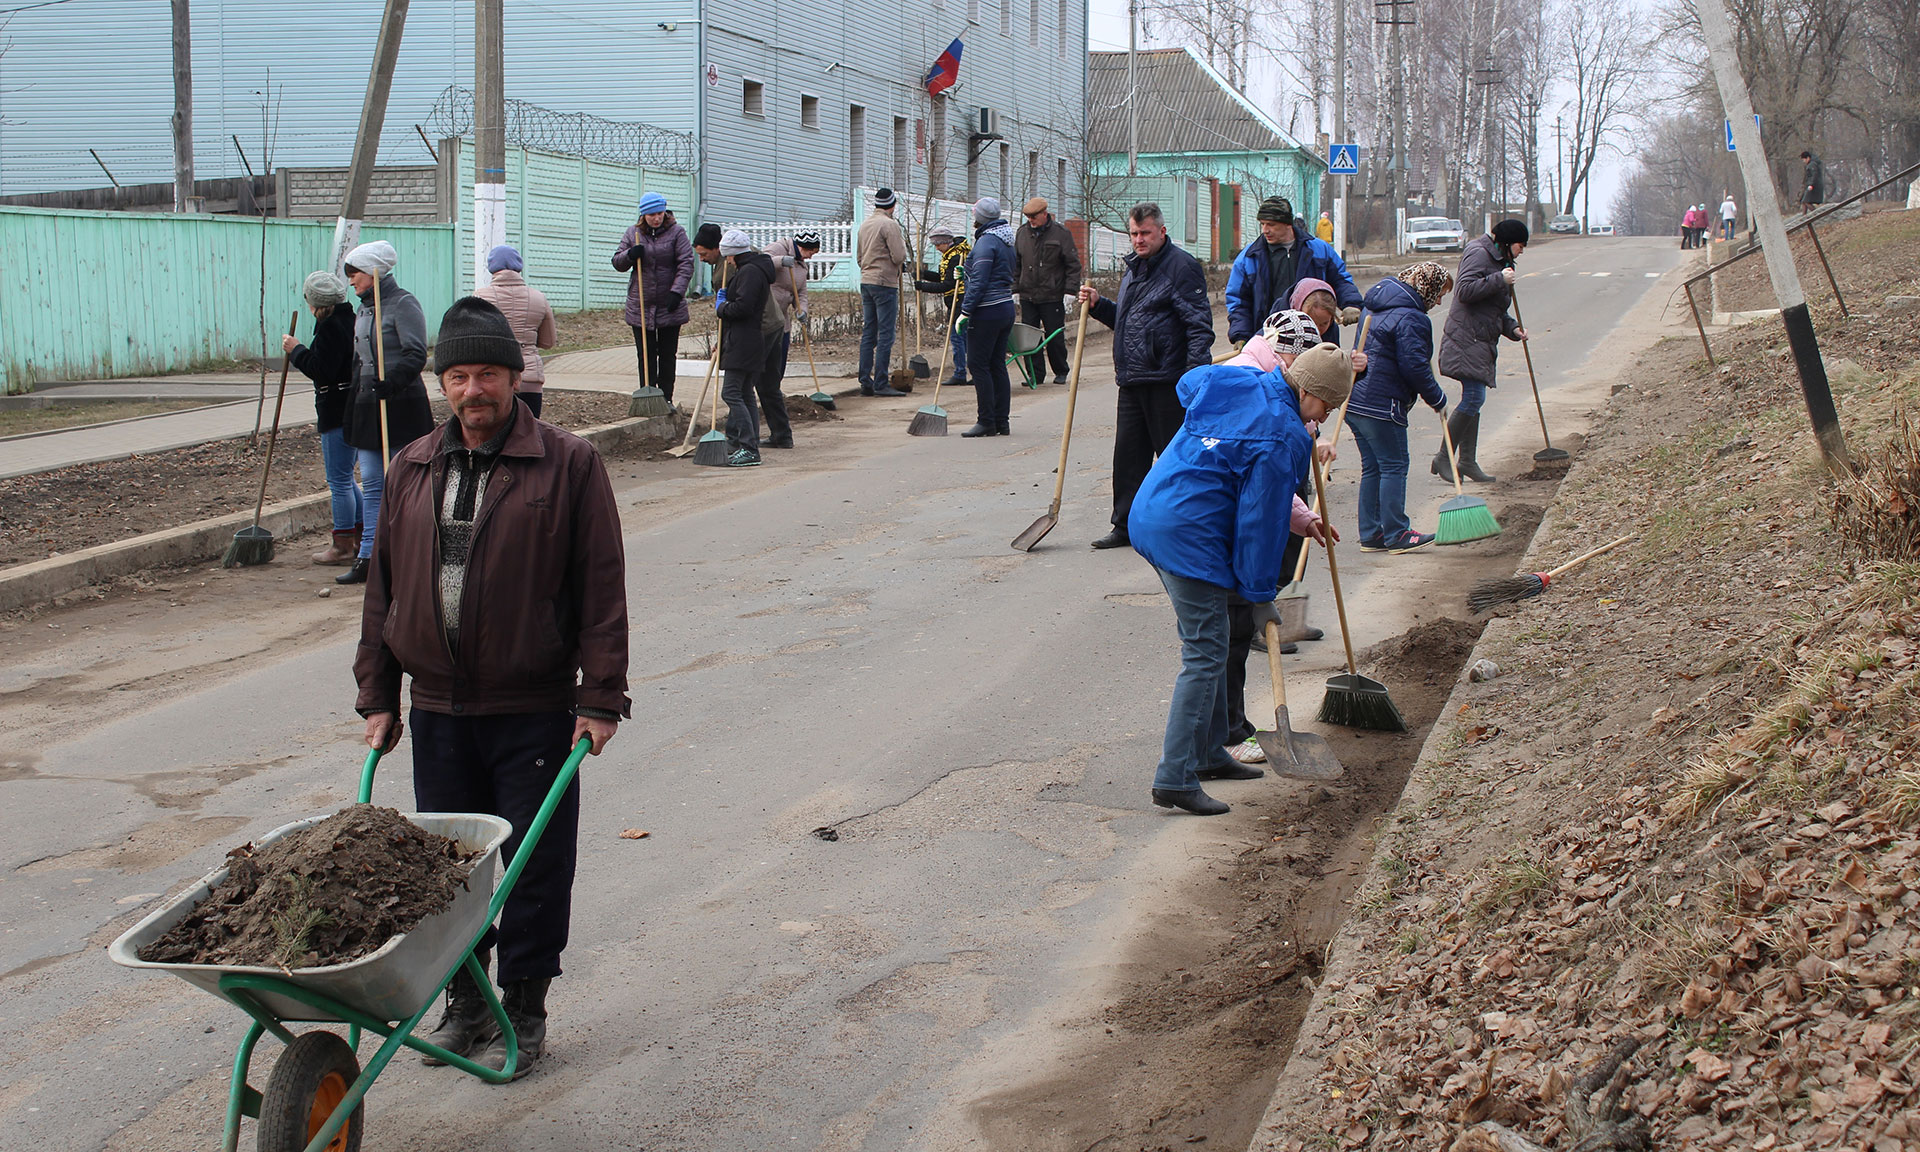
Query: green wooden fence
pixel 88 295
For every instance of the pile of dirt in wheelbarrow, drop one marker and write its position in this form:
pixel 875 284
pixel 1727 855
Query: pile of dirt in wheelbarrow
pixel 328 894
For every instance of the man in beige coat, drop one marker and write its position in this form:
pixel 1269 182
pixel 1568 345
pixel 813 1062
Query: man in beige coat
pixel 881 249
pixel 529 314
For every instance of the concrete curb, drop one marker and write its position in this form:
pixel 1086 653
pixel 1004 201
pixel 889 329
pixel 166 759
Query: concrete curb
pixel 41 580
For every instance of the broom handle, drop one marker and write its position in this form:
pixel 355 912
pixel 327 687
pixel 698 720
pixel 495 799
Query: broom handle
pixel 946 346
pixel 1273 665
pixel 1528 353
pixel 1586 556
pixel 380 374
pixel 1453 462
pixel 640 293
pixel 693 420
pixel 1320 495
pixel 1333 568
pixel 1066 434
pixel 713 368
pixel 286 362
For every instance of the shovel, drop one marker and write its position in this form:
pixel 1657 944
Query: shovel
pixel 1300 755
pixel 1549 454
pixel 1037 531
pixel 932 419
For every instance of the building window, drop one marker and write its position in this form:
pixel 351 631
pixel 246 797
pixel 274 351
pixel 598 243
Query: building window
pixel 901 156
pixel 753 98
pixel 1033 174
pixel 810 112
pixel 1060 182
pixel 857 144
pixel 1193 212
pixel 973 11
pixel 1006 172
pixel 1006 17
pixel 1033 22
pixel 1066 25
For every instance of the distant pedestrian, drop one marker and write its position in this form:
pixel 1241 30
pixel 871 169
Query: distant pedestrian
pixel 1470 346
pixel 790 274
pixel 1208 520
pixel 949 279
pixel 1049 272
pixel 1162 325
pixel 658 247
pixel 1323 229
pixel 1813 180
pixel 1265 272
pixel 499 589
pixel 881 251
pixel 986 313
pixel 1399 370
pixel 1729 212
pixel 397 382
pixel 328 362
pixel 748 344
pixel 527 312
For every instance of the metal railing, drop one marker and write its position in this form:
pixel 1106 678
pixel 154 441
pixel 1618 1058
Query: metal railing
pixel 1754 246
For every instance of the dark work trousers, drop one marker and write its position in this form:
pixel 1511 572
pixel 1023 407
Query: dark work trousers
pixel 1048 315
pixel 773 402
pixel 1145 419
pixel 504 765
pixel 739 390
pixel 987 332
pixel 531 400
pixel 662 353
pixel 1240 644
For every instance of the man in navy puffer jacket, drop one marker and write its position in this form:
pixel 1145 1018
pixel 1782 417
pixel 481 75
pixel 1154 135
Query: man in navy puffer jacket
pixel 1264 273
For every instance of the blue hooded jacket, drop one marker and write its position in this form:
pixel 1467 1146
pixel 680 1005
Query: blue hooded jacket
pixel 1215 506
pixel 1399 356
pixel 1250 298
pixel 990 267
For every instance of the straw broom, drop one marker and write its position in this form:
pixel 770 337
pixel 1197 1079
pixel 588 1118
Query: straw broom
pixel 1490 594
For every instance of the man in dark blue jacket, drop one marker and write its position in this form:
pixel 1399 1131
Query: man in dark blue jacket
pixel 1264 274
pixel 1162 325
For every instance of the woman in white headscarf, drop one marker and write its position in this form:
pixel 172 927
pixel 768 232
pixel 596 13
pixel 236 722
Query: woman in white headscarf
pixel 397 382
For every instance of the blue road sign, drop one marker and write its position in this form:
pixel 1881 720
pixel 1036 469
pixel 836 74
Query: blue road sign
pixel 1344 161
pixel 1729 124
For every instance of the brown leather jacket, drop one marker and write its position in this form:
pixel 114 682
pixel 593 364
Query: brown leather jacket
pixel 543 617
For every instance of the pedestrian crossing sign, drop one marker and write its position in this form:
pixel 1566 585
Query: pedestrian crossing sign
pixel 1344 160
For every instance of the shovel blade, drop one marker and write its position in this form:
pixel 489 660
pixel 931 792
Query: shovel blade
pixel 1293 617
pixel 1035 533
pixel 1299 755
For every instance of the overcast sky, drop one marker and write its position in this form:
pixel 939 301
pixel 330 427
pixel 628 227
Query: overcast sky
pixel 1107 32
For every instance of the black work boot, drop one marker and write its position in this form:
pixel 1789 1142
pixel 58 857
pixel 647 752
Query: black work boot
pixel 466 1023
pixel 1442 465
pixel 1466 440
pixel 526 1005
pixel 981 428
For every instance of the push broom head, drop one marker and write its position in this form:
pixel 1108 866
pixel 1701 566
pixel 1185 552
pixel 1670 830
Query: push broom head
pixel 648 402
pixel 251 545
pixel 711 450
pixel 825 400
pixel 1490 594
pixel 1354 701
pixel 1465 518
pixel 929 421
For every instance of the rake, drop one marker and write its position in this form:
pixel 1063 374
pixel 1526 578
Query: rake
pixel 253 544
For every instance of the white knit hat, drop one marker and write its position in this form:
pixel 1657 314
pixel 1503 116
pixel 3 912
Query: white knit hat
pixel 375 258
pixel 733 242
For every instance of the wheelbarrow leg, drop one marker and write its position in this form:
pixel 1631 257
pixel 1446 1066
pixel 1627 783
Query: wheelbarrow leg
pixel 242 1099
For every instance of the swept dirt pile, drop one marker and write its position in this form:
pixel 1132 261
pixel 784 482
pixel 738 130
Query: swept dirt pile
pixel 329 894
pixel 1688 814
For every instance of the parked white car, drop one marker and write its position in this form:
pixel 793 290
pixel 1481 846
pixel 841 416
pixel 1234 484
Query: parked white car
pixel 1435 234
pixel 1600 230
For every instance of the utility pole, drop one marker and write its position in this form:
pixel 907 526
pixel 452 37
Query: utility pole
pixel 489 135
pixel 1396 214
pixel 1763 208
pixel 182 108
pixel 1133 89
pixel 366 142
pixel 1340 122
pixel 1559 154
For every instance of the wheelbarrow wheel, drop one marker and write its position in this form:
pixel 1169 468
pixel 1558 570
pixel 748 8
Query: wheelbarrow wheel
pixel 309 1081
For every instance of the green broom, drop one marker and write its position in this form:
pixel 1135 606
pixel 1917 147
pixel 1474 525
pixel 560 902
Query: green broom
pixel 253 544
pixel 712 450
pixel 1464 517
pixel 1351 700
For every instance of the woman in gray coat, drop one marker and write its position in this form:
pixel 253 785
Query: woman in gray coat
pixel 398 382
pixel 1483 289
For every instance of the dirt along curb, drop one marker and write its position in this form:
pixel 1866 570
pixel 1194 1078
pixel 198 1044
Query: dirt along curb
pixel 25 585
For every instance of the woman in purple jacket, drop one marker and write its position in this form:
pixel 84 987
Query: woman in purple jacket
pixel 664 258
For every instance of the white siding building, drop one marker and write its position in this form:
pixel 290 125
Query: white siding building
pixel 794 102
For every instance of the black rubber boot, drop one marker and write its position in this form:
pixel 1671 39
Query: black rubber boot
pixel 981 429
pixel 1466 441
pixel 1442 466
pixel 466 1023
pixel 356 574
pixel 526 1005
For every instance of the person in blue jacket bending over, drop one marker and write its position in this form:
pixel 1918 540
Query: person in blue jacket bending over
pixel 1264 274
pixel 1211 520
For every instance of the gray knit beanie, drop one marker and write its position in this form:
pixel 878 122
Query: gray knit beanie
pixel 986 210
pixel 324 290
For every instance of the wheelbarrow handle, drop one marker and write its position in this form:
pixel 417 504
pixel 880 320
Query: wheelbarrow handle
pixel 366 776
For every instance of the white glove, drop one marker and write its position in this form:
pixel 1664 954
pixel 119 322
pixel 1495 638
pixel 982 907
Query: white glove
pixel 1507 275
pixel 786 262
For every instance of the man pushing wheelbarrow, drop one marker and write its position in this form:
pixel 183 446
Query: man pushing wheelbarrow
pixel 498 583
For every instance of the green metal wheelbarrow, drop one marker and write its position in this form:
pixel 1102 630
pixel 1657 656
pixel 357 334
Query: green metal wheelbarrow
pixel 314 1096
pixel 1024 345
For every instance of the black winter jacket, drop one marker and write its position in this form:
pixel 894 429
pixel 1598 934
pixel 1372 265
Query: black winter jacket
pixel 1477 318
pixel 328 362
pixel 404 332
pixel 749 281
pixel 1163 322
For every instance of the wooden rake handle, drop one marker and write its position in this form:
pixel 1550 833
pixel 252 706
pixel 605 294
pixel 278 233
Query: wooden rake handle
pixel 380 372
pixel 286 363
pixel 1586 556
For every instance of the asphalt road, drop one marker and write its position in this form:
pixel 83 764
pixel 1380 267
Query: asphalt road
pixel 841 638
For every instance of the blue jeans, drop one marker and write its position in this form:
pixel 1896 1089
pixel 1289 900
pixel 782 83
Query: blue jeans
pixel 373 481
pixel 1473 394
pixel 879 312
pixel 1197 718
pixel 337 458
pixel 1383 478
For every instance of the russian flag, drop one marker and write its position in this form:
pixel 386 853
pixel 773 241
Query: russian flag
pixel 945 70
